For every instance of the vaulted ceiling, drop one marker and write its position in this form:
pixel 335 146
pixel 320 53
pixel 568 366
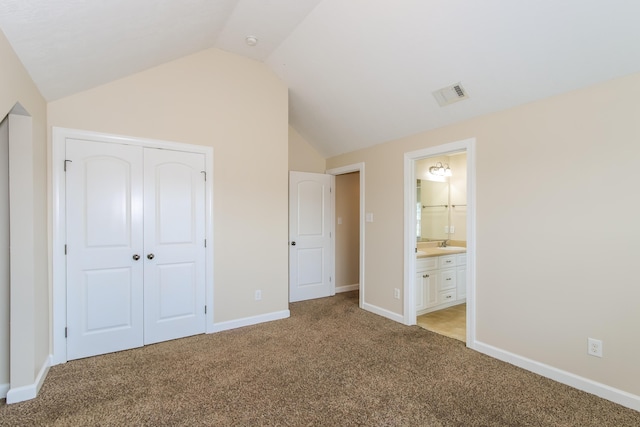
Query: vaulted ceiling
pixel 360 72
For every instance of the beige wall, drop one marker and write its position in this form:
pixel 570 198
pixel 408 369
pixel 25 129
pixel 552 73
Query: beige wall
pixel 30 318
pixel 302 156
pixel 347 229
pixel 238 107
pixel 555 258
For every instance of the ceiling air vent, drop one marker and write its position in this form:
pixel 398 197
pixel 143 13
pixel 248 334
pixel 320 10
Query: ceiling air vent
pixel 450 94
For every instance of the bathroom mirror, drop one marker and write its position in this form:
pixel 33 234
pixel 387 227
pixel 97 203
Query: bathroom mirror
pixel 441 201
pixel 433 201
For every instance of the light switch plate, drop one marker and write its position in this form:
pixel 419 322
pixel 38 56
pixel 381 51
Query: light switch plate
pixel 369 217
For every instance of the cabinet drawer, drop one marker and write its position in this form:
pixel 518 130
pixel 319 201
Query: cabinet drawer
pixel 462 259
pixel 447 296
pixel 447 280
pixel 424 264
pixel 447 261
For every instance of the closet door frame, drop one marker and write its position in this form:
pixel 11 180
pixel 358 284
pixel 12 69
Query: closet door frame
pixel 58 217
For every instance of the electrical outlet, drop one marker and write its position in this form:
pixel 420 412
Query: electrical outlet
pixel 258 295
pixel 452 229
pixel 595 347
pixel 396 293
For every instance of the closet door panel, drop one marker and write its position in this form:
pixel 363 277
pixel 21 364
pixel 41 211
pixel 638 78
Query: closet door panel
pixel 104 233
pixel 174 245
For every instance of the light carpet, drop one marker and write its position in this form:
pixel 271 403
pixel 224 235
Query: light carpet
pixel 330 364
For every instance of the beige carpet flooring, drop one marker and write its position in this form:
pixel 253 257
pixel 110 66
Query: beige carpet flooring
pixel 330 364
pixel 450 322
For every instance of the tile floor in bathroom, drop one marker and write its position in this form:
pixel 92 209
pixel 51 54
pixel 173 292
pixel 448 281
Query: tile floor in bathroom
pixel 450 322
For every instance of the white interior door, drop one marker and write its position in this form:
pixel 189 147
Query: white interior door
pixel 174 273
pixel 310 246
pixel 135 246
pixel 104 238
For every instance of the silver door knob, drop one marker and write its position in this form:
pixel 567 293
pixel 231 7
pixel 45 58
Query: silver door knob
pixel 150 256
pixel 136 257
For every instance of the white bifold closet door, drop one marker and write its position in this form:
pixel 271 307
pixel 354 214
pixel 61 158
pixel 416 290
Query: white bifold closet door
pixel 135 246
pixel 174 242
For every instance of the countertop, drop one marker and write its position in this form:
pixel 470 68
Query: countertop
pixel 430 252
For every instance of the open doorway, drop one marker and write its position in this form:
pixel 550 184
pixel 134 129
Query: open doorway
pixel 441 241
pixel 440 244
pixel 347 241
pixel 349 230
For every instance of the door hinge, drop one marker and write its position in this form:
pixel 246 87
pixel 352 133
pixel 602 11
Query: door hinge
pixel 65 249
pixel 65 331
pixel 65 164
pixel 205 243
pixel 329 234
pixel 205 174
pixel 205 309
pixel 329 279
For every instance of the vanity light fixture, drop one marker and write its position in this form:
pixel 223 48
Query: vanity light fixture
pixel 440 170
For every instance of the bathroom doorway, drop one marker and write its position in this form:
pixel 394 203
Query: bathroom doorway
pixel 440 239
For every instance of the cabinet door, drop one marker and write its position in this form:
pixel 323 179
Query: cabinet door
pixel 462 281
pixel 420 291
pixel 428 282
pixel 426 290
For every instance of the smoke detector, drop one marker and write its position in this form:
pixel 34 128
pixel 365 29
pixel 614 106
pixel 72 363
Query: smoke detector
pixel 450 94
pixel 251 40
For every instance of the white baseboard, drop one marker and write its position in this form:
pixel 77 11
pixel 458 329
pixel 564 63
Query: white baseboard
pixel 248 321
pixel 347 288
pixel 27 392
pixel 601 390
pixel 4 388
pixel 383 312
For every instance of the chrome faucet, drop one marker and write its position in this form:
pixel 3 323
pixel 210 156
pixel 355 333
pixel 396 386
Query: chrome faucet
pixel 444 243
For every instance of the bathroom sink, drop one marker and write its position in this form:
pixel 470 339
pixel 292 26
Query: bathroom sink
pixel 453 248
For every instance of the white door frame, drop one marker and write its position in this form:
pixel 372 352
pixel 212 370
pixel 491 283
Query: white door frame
pixel 356 167
pixel 58 238
pixel 467 145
